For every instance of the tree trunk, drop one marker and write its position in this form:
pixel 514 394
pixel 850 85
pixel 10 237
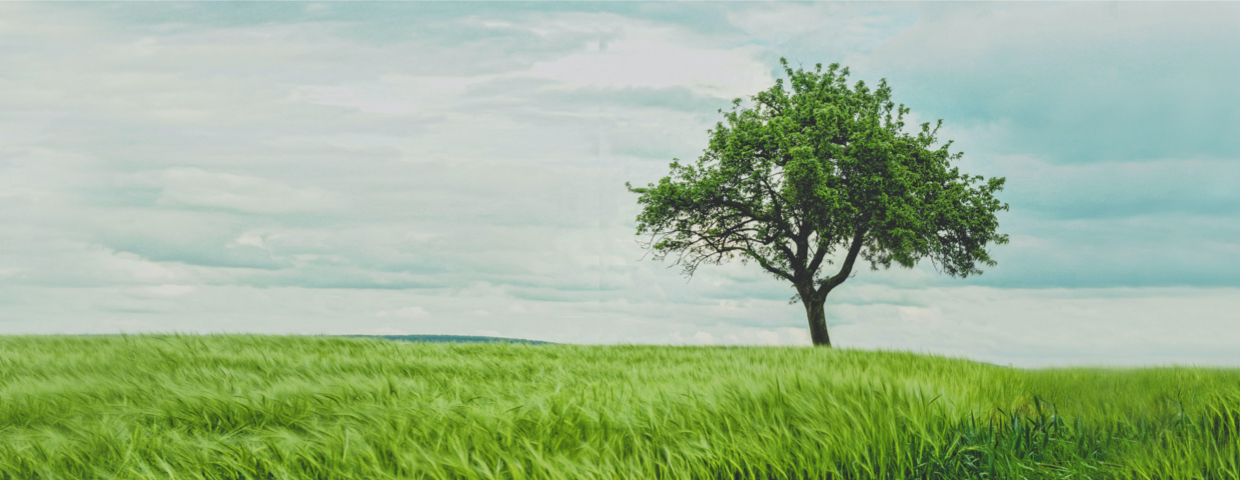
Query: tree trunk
pixel 817 319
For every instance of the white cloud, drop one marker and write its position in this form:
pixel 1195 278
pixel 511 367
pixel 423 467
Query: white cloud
pixel 1120 326
pixel 133 268
pixel 408 313
pixel 250 239
pixel 391 94
pixel 170 290
pixel 642 54
pixel 767 337
pixel 193 177
pixel 931 316
pixel 798 336
pixel 196 187
pixel 1028 328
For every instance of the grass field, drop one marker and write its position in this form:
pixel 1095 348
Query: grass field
pixel 278 407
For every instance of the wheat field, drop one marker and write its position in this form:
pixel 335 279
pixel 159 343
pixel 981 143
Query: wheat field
pixel 296 407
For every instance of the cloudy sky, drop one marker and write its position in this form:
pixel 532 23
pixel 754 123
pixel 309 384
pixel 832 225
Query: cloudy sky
pixel 459 168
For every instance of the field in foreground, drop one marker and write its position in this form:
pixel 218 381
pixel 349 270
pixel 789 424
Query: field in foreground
pixel 276 407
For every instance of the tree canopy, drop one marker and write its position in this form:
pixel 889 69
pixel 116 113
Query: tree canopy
pixel 818 174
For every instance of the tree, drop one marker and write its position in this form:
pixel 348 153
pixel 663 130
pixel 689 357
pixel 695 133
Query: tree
pixel 806 177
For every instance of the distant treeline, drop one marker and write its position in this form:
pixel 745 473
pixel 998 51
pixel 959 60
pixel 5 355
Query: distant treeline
pixel 448 339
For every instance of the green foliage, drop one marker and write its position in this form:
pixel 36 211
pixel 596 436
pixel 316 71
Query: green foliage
pixel 815 171
pixel 267 407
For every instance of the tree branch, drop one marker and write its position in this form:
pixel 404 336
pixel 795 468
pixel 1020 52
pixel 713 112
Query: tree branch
pixel 767 265
pixel 846 268
pixel 819 255
pixel 798 268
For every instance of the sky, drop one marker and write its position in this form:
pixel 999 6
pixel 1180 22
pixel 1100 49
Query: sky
pixel 458 169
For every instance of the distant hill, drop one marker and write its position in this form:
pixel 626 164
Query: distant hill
pixel 448 338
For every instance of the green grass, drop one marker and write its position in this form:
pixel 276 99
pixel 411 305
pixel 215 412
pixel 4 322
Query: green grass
pixel 276 407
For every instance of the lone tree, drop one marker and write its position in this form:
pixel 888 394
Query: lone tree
pixel 811 175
